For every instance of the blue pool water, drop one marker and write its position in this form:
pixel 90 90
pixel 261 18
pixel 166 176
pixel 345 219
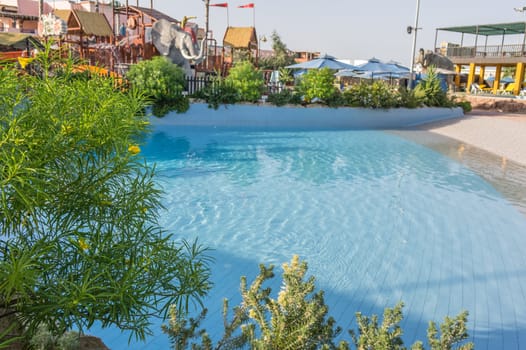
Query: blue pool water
pixel 379 219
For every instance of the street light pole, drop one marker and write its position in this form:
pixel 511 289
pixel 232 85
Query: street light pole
pixel 413 51
pixel 207 8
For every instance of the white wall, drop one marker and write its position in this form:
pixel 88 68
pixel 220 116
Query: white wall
pixel 273 117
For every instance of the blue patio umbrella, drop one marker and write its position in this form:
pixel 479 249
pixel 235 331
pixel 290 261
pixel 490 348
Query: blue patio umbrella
pixel 324 61
pixel 504 80
pixel 370 75
pixel 384 69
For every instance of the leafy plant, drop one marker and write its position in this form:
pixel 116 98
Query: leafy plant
pixel 387 335
pixel 79 235
pixel 43 339
pixel 465 105
pixel 453 331
pixel 161 81
pixel 285 76
pixel 317 84
pixel 408 98
pixel 377 94
pixel 247 81
pixel 283 97
pixel 430 92
pixel 9 334
pixel 218 92
pixel 298 319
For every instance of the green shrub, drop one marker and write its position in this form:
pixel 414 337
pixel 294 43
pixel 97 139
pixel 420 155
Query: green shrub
pixel 43 339
pixel 247 81
pixel 298 319
pixel 317 84
pixel 377 94
pixel 218 92
pixel 161 81
pixel 408 98
pixel 429 91
pixel 466 106
pixel 285 96
pixel 79 235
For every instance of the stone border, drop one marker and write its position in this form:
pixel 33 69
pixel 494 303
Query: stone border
pixel 506 104
pixel 272 117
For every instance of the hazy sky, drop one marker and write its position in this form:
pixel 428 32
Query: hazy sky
pixel 350 29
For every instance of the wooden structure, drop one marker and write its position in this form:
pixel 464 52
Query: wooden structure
pixel 18 47
pixel 104 35
pixel 89 34
pixel 244 39
pixel 480 55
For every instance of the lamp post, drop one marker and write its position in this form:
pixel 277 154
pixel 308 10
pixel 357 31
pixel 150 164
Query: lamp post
pixel 262 38
pixel 413 30
pixel 207 9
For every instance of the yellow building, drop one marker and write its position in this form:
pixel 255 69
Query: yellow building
pixel 481 56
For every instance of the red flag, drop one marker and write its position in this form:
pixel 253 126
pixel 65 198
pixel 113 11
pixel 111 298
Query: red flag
pixel 223 4
pixel 247 6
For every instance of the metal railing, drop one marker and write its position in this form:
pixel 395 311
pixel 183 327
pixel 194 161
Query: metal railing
pixel 512 50
pixel 195 84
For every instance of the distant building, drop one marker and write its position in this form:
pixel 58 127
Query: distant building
pixel 20 16
pixel 481 60
pixel 304 56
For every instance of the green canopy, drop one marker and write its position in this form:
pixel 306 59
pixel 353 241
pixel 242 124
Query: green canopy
pixel 490 29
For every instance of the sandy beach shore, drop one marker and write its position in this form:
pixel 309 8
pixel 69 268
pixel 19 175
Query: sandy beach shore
pixel 503 134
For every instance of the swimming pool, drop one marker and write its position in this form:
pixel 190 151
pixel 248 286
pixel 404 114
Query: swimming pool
pixel 378 218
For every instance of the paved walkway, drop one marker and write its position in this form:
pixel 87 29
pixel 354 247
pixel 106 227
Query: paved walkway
pixel 503 134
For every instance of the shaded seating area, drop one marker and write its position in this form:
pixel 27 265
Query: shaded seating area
pixel 14 45
pixel 506 50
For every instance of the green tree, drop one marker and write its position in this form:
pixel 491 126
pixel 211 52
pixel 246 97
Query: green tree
pixel 319 84
pixel 246 80
pixel 79 235
pixel 281 55
pixel 162 82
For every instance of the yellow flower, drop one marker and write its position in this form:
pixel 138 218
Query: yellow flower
pixel 252 313
pixel 83 244
pixel 134 149
pixel 66 129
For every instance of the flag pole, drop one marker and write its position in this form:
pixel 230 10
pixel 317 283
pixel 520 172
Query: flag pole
pixel 253 7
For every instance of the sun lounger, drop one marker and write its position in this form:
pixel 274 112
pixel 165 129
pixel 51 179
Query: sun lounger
pixel 475 89
pixel 508 90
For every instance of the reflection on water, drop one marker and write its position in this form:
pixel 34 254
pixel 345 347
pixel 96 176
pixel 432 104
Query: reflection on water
pixel 379 217
pixel 508 177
